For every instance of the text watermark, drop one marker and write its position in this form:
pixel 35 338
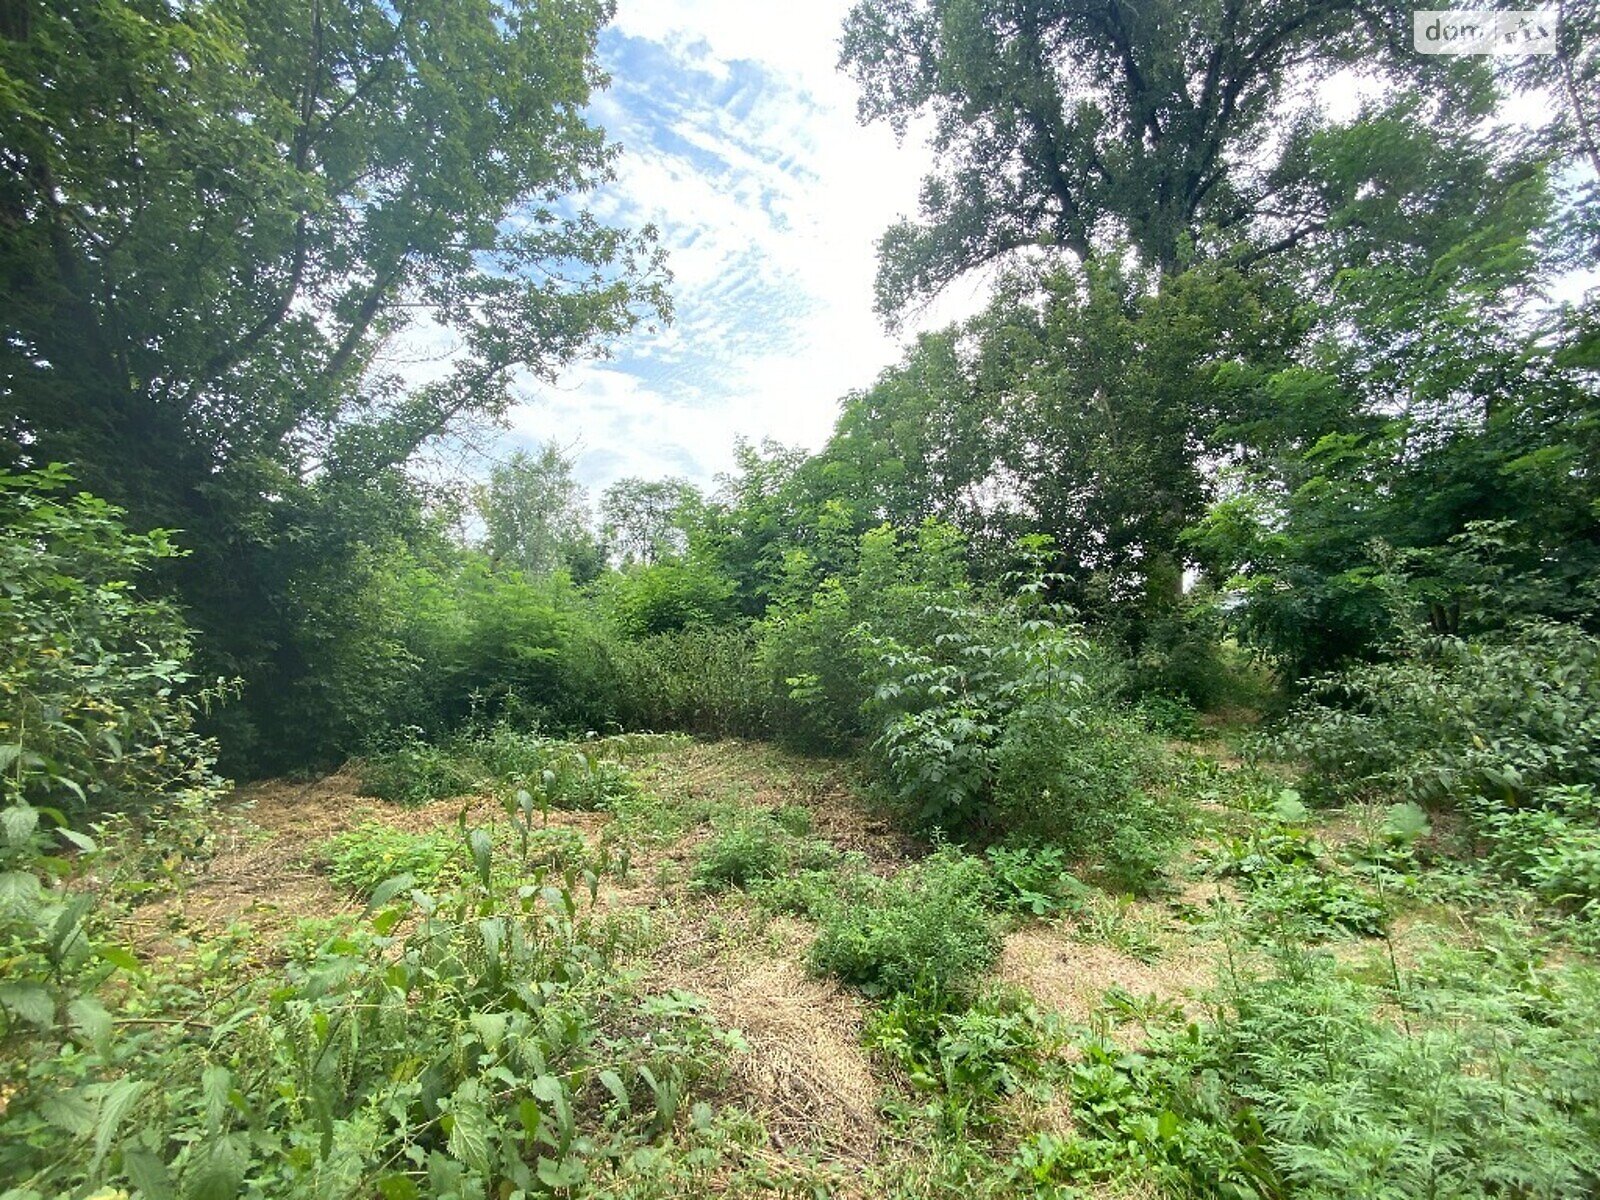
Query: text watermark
pixel 1484 30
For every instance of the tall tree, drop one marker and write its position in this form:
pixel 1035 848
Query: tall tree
pixel 1078 124
pixel 213 218
pixel 536 515
pixel 646 520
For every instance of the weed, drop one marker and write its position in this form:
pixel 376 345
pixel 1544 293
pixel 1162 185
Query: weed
pixel 362 858
pixel 752 849
pixel 1116 921
pixel 1033 879
pixel 929 926
pixel 965 1056
pixel 414 771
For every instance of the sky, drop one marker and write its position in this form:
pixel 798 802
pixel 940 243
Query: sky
pixel 740 143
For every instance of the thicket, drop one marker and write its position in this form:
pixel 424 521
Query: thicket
pixel 1502 727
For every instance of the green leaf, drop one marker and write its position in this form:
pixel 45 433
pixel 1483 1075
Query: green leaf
pixel 81 840
pixel 389 889
pixel 569 1172
pixel 383 924
pixel 90 1018
pixel 482 846
pixel 612 1082
pixel 19 820
pixel 399 1187
pixel 30 1002
pixel 215 1085
pixel 120 957
pixel 1406 823
pixel 218 1173
pixel 115 1102
pixel 71 1111
pixel 148 1173
pixel 470 1129
pixel 490 1028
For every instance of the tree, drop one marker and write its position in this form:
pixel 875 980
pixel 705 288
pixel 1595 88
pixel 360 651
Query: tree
pixel 213 218
pixel 1084 124
pixel 536 515
pixel 645 520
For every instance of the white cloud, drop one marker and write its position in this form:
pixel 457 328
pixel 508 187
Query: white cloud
pixel 770 203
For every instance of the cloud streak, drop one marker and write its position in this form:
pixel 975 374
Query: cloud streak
pixel 741 146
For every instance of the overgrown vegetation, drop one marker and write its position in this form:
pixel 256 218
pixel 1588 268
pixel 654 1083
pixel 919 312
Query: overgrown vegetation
pixel 1194 653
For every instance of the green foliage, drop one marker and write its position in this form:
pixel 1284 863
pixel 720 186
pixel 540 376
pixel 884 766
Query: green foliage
pixel 1033 879
pixel 1450 719
pixel 1553 845
pixel 97 719
pixel 415 771
pixel 198 301
pixel 363 858
pixel 646 521
pixel 97 703
pixel 752 849
pixel 1302 1090
pixel 700 680
pixel 991 724
pixel 1289 883
pixel 928 927
pixel 496 1044
pixel 560 774
pixel 661 597
pixel 1048 124
pixel 536 516
pixel 966 1057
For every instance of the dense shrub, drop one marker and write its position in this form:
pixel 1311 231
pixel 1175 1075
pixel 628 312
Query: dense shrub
pixel 992 725
pixel 700 680
pixel 97 703
pixel 931 926
pixel 1448 718
pixel 667 596
pixel 412 770
pixel 1506 727
pixel 97 716
pixel 819 669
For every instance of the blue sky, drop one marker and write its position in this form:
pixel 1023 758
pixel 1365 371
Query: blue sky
pixel 741 145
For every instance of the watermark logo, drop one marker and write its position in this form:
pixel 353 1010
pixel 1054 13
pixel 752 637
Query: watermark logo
pixel 1484 30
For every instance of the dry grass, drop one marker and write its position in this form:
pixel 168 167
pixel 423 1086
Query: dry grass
pixel 1070 977
pixel 804 1072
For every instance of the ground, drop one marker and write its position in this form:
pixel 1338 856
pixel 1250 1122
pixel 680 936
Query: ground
pixel 803 1071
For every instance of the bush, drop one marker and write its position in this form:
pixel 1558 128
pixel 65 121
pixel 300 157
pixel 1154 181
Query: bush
pixel 97 717
pixel 362 858
pixel 97 704
pixel 1448 719
pixel 1505 727
pixel 700 680
pixel 1033 879
pixel 991 727
pixel 753 849
pixel 928 927
pixel 415 771
pixel 666 597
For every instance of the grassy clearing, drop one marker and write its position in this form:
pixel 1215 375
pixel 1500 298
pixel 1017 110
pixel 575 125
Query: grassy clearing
pixel 803 1001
